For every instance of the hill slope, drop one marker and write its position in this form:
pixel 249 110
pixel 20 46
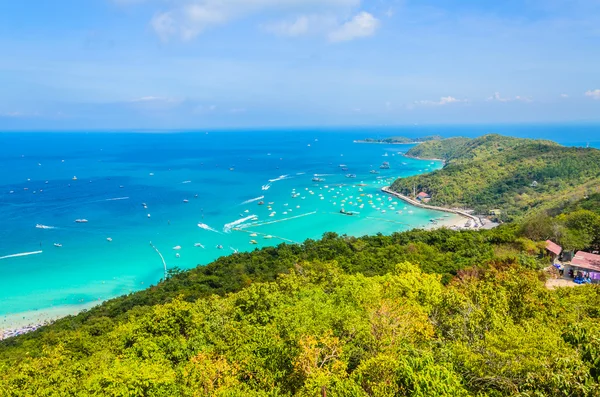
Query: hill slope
pixel 319 329
pixel 512 174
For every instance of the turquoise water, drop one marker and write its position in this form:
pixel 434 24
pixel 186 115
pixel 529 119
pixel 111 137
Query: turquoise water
pixel 117 173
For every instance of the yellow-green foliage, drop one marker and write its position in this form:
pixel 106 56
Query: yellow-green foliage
pixel 320 330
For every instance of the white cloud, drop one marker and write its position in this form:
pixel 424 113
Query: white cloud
pixel 362 25
pixel 443 101
pixel 189 18
pixel 595 94
pixel 498 98
pixel 564 95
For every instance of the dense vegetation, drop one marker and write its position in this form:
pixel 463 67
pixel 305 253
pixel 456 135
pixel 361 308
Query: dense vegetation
pixel 402 139
pixel 516 176
pixel 574 227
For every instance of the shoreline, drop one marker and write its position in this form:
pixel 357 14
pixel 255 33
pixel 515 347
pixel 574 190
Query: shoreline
pixel 15 324
pixel 478 223
pixel 425 159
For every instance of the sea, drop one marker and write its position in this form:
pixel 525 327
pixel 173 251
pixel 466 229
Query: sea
pixel 147 201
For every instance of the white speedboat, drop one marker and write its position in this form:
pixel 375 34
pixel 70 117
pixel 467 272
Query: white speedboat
pixel 57 245
pixel 81 221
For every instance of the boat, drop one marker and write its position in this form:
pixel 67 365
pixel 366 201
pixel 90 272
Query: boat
pixel 74 178
pixel 231 169
pixel 109 239
pixel 385 154
pixel 253 242
pixel 219 247
pixel 81 221
pixel 374 172
pixel 186 201
pixel 345 169
pixel 385 166
pixel 177 247
pixel 40 226
pixel 198 245
pixel 177 255
pixel 148 215
pixel 261 203
pixel 317 179
pixel 268 237
pixel 351 176
pixel 57 245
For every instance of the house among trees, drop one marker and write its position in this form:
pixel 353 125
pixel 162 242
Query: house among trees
pixel 534 184
pixel 554 250
pixel 585 265
pixel 423 197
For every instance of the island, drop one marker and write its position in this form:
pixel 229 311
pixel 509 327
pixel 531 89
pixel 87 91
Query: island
pixel 400 140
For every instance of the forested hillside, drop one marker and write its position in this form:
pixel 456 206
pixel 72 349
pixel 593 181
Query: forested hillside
pixel 319 330
pixel 514 175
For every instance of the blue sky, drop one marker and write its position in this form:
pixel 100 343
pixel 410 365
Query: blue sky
pixel 169 64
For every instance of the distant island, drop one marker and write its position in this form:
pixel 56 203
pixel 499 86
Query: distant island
pixel 400 140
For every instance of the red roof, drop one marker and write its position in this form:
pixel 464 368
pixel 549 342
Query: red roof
pixel 586 260
pixel 423 195
pixel 553 247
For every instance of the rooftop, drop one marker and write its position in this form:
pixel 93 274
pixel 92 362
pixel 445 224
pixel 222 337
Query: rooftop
pixel 553 247
pixel 585 260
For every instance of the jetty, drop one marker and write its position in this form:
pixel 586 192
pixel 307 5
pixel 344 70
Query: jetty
pixel 476 220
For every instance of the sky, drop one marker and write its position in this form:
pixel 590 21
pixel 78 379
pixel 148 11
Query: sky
pixel 193 64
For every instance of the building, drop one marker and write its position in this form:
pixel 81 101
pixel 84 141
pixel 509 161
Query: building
pixel 586 263
pixel 534 184
pixel 423 197
pixel 554 250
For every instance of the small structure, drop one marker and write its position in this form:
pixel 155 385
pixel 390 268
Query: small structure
pixel 585 265
pixel 554 250
pixel 423 197
pixel 534 184
pixel 495 212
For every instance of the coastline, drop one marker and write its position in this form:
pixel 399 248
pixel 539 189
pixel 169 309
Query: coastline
pixel 425 159
pixel 15 324
pixel 410 201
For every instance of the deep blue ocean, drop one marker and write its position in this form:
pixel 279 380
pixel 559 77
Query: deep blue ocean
pixel 134 188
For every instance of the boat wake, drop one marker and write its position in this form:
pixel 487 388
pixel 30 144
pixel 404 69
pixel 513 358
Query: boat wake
pixel 21 254
pixel 118 198
pixel 279 178
pixel 266 187
pixel 185 182
pixel 40 226
pixel 227 227
pixel 253 200
pixel 318 175
pixel 206 227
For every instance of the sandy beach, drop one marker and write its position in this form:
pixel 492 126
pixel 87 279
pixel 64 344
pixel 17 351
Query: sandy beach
pixel 20 323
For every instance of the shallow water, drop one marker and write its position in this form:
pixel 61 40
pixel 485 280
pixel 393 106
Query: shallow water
pixel 224 170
